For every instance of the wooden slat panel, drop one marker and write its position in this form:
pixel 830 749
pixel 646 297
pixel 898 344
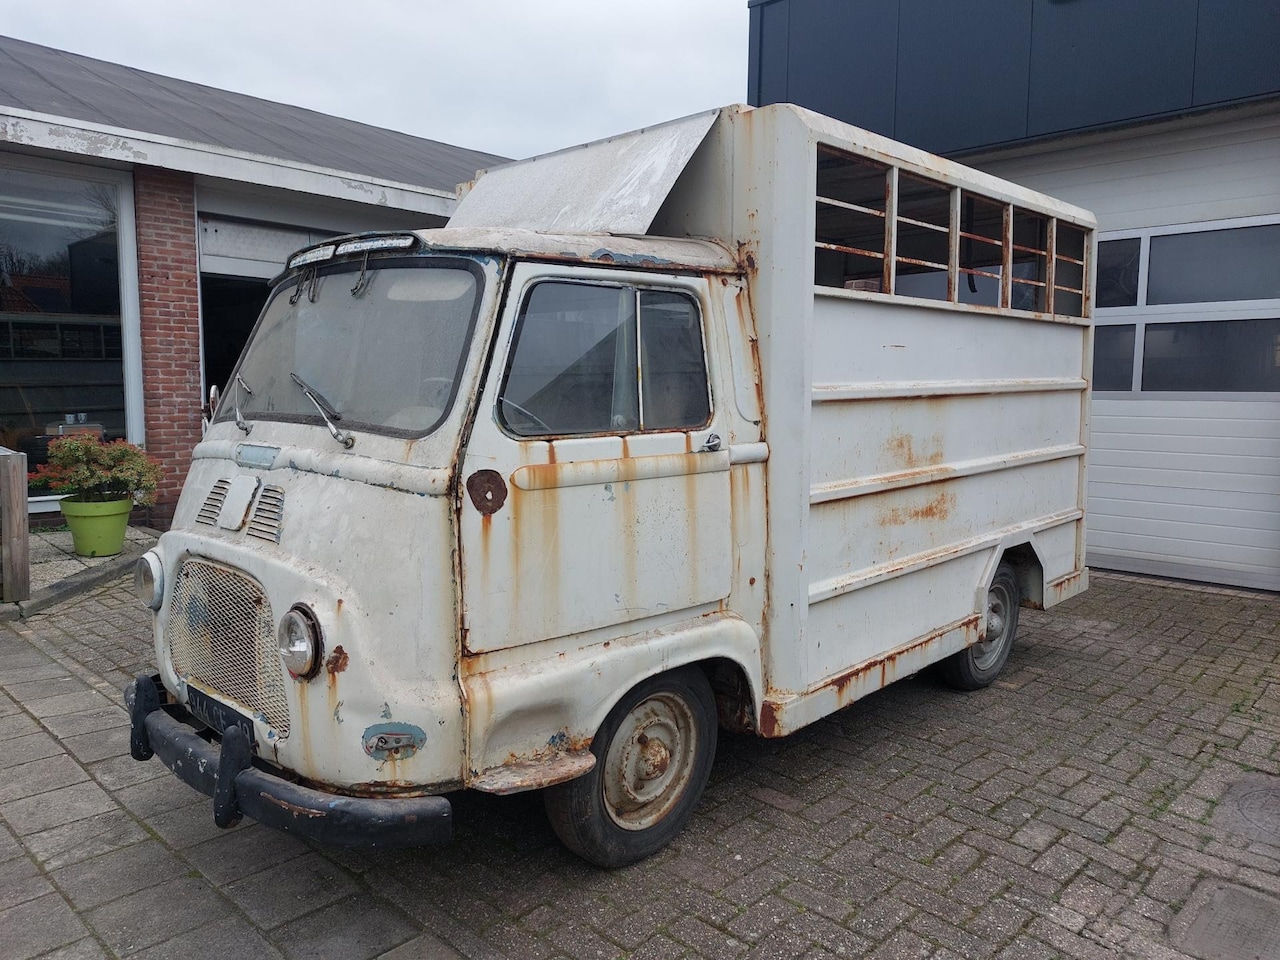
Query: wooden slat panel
pixel 15 566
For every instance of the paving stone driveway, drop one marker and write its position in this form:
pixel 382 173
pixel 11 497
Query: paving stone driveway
pixel 1066 811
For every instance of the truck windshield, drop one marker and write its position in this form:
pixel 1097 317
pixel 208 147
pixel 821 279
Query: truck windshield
pixel 382 345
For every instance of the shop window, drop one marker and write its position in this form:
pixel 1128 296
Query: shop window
pixel 1228 356
pixel 60 341
pixel 1113 357
pixel 1215 265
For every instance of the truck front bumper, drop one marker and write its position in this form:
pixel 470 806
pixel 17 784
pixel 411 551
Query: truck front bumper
pixel 225 771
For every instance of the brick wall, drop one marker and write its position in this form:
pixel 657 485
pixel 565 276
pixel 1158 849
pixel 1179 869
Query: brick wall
pixel 168 288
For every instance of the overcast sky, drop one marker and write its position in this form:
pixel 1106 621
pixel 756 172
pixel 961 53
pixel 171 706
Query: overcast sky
pixel 512 77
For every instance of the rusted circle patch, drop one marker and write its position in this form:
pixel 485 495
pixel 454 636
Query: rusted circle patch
pixel 488 491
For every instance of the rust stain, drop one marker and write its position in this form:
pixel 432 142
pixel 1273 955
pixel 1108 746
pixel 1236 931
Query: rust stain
pixel 769 722
pixel 901 448
pixel 1065 584
pixel 487 490
pixel 887 665
pixel 338 661
pixel 293 808
pixel 939 508
pixel 551 451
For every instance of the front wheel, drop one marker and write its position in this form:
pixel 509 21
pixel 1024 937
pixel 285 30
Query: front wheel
pixel 653 757
pixel 977 666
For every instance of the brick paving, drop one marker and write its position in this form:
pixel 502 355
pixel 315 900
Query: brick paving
pixel 1068 811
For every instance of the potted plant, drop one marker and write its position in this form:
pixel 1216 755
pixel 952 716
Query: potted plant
pixel 104 481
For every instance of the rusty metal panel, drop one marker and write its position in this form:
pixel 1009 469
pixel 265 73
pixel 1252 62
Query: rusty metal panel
pixel 610 186
pixel 579 533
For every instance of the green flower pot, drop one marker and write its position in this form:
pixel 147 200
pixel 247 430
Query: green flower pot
pixel 97 527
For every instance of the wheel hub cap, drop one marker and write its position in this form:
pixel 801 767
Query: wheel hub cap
pixel 648 762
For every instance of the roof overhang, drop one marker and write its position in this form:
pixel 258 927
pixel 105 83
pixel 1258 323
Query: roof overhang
pixel 82 139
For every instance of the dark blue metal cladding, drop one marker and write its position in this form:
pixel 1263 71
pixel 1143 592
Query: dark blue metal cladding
pixel 1101 61
pixel 774 51
pixel 1237 50
pixel 963 72
pixel 843 59
pixel 957 75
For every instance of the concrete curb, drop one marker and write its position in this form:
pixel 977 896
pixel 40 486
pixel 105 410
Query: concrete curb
pixel 78 583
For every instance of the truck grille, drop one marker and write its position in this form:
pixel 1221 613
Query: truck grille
pixel 221 634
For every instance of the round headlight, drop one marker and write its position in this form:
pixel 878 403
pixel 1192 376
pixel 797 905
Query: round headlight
pixel 299 640
pixel 148 580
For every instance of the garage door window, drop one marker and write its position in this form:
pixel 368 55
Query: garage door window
pixel 1228 356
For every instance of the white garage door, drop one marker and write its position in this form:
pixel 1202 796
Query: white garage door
pixel 1184 475
pixel 1186 488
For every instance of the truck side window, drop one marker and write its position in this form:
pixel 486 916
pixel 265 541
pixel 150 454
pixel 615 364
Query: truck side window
pixel 574 367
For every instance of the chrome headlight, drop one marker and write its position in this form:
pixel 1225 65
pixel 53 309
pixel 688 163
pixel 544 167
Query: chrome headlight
pixel 299 641
pixel 148 580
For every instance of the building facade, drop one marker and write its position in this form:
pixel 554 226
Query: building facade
pixel 1163 118
pixel 140 220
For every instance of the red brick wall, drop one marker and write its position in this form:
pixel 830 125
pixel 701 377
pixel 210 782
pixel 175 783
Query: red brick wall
pixel 168 289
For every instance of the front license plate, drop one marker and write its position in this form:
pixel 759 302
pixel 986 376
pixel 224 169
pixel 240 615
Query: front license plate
pixel 215 714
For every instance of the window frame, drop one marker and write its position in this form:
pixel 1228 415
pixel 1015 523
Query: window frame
pixel 637 286
pixel 1143 313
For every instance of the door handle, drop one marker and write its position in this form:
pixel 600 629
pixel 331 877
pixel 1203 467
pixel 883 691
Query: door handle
pixel 711 444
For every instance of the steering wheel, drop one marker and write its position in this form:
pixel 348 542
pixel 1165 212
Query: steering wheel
pixel 531 417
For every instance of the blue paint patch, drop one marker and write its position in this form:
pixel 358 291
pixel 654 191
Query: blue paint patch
pixel 558 739
pixel 393 741
pixel 386 711
pixel 631 259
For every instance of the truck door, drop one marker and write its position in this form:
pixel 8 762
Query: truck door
pixel 596 478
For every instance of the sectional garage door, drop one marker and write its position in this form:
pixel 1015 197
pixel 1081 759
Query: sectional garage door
pixel 1186 488
pixel 1184 465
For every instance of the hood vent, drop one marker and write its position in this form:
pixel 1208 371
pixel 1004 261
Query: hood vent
pixel 213 503
pixel 268 515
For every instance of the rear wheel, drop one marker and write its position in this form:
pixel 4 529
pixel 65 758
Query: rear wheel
pixel 977 666
pixel 653 757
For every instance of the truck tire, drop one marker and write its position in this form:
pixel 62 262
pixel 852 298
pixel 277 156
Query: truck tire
pixel 975 667
pixel 653 756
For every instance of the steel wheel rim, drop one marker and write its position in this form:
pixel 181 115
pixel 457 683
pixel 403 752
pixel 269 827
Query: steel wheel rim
pixel 986 653
pixel 649 761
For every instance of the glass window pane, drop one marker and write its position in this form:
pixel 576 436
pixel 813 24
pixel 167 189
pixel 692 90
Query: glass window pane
pixel 573 365
pixel 1214 265
pixel 673 371
pixel 1118 272
pixel 1113 357
pixel 387 358
pixel 1212 356
pixel 59 307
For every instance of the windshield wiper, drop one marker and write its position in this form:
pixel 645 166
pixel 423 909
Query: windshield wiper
pixel 326 409
pixel 241 386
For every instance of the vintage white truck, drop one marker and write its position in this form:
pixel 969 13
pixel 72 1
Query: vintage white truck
pixel 723 423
